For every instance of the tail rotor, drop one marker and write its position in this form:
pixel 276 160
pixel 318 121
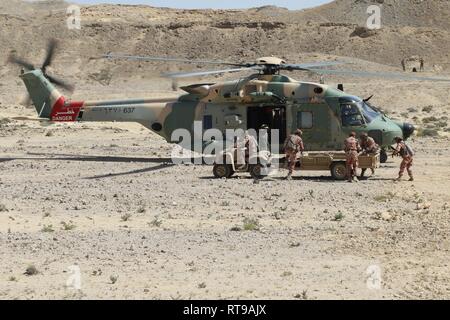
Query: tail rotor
pixel 28 66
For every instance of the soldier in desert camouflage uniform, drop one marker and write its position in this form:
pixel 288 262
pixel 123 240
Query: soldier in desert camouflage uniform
pixel 407 158
pixel 368 147
pixel 292 146
pixel 351 148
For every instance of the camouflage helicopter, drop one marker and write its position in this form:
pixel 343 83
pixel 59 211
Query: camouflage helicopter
pixel 325 114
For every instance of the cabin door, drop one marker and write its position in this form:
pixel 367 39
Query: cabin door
pixel 273 117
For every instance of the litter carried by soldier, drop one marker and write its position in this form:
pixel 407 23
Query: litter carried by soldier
pixel 368 147
pixel 292 146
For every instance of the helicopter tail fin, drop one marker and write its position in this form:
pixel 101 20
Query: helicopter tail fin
pixel 48 101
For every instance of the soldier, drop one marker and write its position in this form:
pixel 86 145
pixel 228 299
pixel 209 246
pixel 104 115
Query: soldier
pixel 368 147
pixel 422 63
pixel 292 146
pixel 403 65
pixel 352 148
pixel 407 154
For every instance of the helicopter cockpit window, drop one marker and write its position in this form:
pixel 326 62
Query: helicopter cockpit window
pixel 368 112
pixel 351 116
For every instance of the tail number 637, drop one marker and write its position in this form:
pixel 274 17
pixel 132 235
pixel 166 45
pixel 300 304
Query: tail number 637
pixel 128 110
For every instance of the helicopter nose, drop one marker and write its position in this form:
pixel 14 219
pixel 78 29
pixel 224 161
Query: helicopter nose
pixel 408 129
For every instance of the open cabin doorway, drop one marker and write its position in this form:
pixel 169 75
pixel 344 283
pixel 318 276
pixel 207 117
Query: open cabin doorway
pixel 274 117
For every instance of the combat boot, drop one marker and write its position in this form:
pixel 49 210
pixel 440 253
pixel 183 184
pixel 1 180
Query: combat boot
pixel 411 178
pixel 399 178
pixel 289 177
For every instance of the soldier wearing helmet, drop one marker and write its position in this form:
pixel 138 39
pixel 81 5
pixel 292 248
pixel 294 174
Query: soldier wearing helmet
pixel 368 147
pixel 407 154
pixel 351 148
pixel 292 146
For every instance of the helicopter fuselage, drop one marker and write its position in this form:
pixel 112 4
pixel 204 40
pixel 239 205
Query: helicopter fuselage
pixel 325 115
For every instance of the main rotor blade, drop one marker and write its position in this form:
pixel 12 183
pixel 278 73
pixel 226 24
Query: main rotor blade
pixel 303 66
pixel 211 72
pixel 388 75
pixel 50 52
pixel 61 83
pixel 168 59
pixel 21 62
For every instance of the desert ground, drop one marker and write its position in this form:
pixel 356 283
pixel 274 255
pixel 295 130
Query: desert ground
pixel 106 198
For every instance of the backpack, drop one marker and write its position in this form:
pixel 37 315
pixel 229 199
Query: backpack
pixel 291 145
pixel 409 150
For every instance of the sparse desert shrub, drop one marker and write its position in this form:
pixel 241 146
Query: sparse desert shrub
pixel 156 222
pixel 251 224
pixel 384 197
pixel 338 216
pixel 125 217
pixel 427 109
pixel 113 279
pixel 31 270
pixel 68 226
pixel 47 228
pixel 303 295
pixel 286 274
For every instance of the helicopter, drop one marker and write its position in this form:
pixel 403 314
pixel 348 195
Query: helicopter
pixel 325 114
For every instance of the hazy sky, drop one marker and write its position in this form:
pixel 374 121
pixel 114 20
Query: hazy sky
pixel 193 4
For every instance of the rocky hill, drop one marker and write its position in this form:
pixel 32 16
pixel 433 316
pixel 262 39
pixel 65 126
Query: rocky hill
pixel 410 27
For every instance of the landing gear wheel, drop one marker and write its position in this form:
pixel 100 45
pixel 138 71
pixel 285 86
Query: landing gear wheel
pixel 383 156
pixel 256 171
pixel 223 171
pixel 338 171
